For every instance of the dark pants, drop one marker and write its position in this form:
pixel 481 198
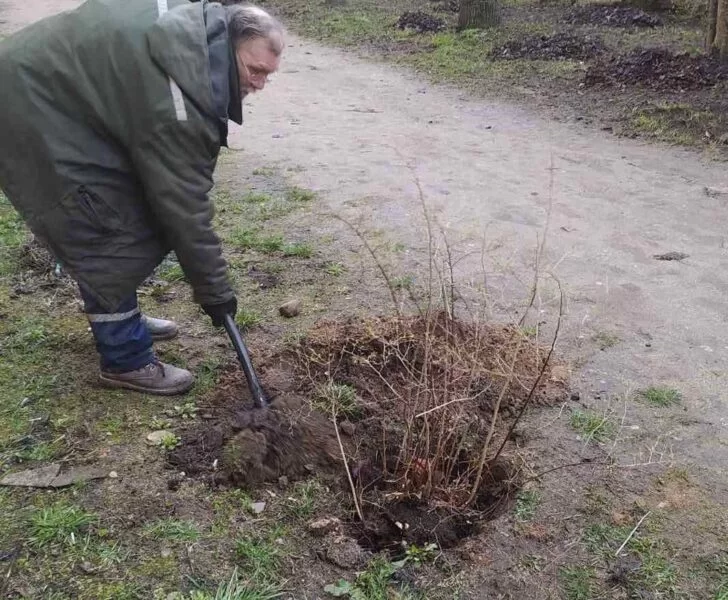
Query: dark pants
pixel 122 338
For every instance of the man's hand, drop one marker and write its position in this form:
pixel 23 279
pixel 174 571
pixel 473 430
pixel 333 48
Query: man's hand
pixel 217 312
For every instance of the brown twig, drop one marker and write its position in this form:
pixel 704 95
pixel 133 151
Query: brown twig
pixel 346 466
pixel 541 373
pixel 373 254
pixel 486 445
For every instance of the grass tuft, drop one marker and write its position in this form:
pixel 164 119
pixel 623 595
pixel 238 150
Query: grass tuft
pixel 261 556
pixel 58 524
pixel 578 583
pixel 251 239
pixel 173 529
pixel 337 397
pixel 300 195
pixel 256 198
pixel 247 318
pixel 593 426
pixel 526 504
pixel 335 269
pixel 301 250
pixel 661 396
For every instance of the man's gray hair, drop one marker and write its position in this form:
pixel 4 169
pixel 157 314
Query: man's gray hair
pixel 246 22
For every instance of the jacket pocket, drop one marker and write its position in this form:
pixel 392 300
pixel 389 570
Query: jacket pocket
pixel 90 214
pixel 79 226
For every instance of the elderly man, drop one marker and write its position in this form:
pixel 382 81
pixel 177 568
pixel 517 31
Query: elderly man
pixel 112 119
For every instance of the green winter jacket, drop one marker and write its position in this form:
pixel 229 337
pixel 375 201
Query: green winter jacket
pixel 112 119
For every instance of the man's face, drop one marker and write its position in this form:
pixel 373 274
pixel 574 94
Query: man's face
pixel 256 61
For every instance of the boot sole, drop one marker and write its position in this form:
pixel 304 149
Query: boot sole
pixel 161 337
pixel 115 383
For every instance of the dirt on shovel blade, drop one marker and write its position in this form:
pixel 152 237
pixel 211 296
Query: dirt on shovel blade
pixel 246 446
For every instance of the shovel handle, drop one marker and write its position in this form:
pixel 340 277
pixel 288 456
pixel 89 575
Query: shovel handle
pixel 256 390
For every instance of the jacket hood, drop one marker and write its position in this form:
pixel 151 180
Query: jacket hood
pixel 190 43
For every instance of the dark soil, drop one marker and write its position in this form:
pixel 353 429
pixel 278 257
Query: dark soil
pixel 264 279
pixel 612 15
pixel 560 46
pixel 411 493
pixel 246 446
pixel 415 475
pixel 420 22
pixel 658 69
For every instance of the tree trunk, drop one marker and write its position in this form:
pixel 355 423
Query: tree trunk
pixel 716 39
pixel 712 23
pixel 477 14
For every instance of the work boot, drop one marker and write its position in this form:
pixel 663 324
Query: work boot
pixel 161 329
pixel 155 378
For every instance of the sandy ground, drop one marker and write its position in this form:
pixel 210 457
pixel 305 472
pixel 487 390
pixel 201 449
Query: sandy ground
pixel 354 128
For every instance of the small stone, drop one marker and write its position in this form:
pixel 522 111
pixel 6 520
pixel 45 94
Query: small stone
pixel 290 309
pixel 347 428
pixel 258 507
pixel 166 552
pixel 155 438
pixel 113 475
pixel 283 481
pixel 87 567
pixel 324 526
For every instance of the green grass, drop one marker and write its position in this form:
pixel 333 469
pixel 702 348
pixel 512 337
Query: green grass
pixel 236 589
pixel 679 124
pixel 372 584
pixel 58 524
pixel 13 235
pixel 256 198
pixel 337 397
pixel 604 539
pixel 299 250
pixel 252 239
pixel 246 318
pixel 661 396
pixel 593 426
pixel 261 555
pixel 264 171
pixel 656 572
pixel 403 282
pixel 527 502
pixel 351 26
pixel 578 583
pixel 207 375
pixel 335 269
pixel 174 530
pixel 302 502
pixel 171 272
pixel 300 195
pixel 605 340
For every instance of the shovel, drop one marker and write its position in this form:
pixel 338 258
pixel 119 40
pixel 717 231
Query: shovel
pixel 260 400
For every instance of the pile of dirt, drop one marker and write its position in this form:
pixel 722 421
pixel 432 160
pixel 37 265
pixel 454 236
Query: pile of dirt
pixel 245 447
pixel 430 392
pixel 560 46
pixel 658 69
pixel 416 398
pixel 420 22
pixel 612 15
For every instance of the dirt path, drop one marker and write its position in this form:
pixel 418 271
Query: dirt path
pixel 354 126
